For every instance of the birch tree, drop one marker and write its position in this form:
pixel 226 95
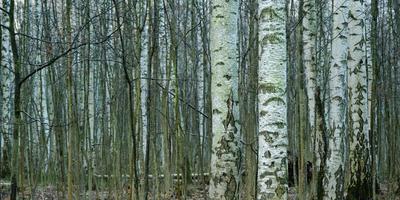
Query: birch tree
pixel 333 182
pixel 224 66
pixel 358 180
pixel 6 78
pixel 273 140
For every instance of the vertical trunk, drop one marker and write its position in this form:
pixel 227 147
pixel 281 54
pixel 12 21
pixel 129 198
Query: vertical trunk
pixel 184 88
pixel 69 81
pixel 6 92
pixel 396 94
pixel 151 97
pixel 166 130
pixel 155 100
pixel 292 92
pixel 223 30
pixel 195 157
pixel 88 101
pixel 207 122
pixel 1 94
pixel 43 141
pixel 310 72
pixel 138 123
pixel 358 185
pixel 374 97
pixel 142 99
pixel 177 117
pixel 138 118
pixel 22 128
pixel 250 133
pixel 17 103
pixel 337 126
pixel 302 105
pixel 131 104
pixel 273 141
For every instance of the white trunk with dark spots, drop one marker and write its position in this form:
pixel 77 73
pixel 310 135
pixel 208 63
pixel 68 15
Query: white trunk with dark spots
pixel 358 107
pixel 6 82
pixel 224 66
pixel 273 140
pixel 333 182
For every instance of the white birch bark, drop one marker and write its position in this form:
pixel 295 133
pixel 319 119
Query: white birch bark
pixel 358 101
pixel 6 83
pixel 367 41
pixel 224 66
pixel 45 116
pixel 273 140
pixel 309 61
pixel 333 182
pixel 144 86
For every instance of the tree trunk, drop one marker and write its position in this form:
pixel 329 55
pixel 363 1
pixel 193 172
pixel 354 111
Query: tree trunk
pixel 224 66
pixel 71 120
pixel 250 119
pixel 273 140
pixel 6 77
pixel 337 109
pixel 313 160
pixel 17 103
pixel 359 185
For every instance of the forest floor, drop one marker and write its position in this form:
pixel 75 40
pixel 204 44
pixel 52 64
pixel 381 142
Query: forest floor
pixel 195 193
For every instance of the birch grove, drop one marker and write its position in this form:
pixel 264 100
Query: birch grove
pixel 199 99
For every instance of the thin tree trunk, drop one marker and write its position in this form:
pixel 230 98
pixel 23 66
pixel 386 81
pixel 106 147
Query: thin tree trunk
pixel 250 115
pixel 71 118
pixel 17 103
pixel 374 97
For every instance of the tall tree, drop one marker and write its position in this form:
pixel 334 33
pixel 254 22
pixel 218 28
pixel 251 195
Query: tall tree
pixel 273 140
pixel 69 81
pixel 312 149
pixel 359 185
pixel 17 101
pixel 224 67
pixel 336 123
pixel 249 116
pixel 374 89
pixel 6 82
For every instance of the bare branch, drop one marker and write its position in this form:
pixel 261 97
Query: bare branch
pixel 4 10
pixel 54 59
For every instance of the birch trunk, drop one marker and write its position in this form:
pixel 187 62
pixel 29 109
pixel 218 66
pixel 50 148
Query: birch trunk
pixel 358 185
pixel 224 66
pixel 6 78
pixel 309 33
pixel 333 182
pixel 273 140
